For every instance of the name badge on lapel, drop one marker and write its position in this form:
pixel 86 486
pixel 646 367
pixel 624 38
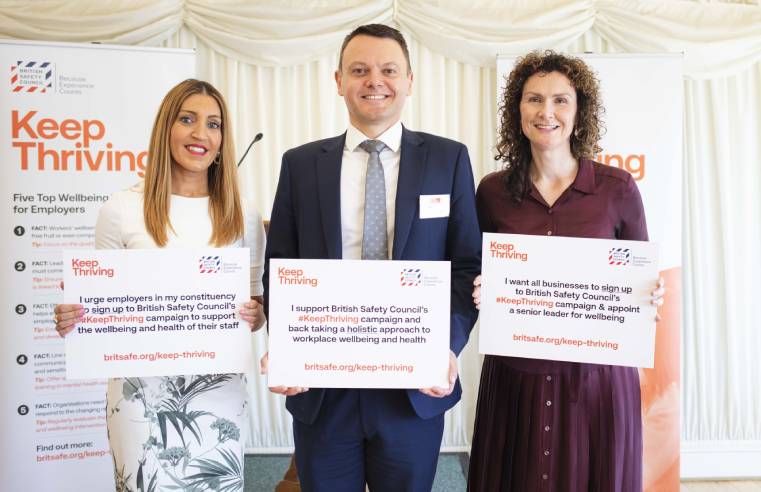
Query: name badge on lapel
pixel 433 206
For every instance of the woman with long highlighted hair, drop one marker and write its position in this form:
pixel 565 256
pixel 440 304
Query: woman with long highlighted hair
pixel 181 432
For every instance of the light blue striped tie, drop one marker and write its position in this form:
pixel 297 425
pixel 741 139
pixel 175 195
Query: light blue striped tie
pixel 374 235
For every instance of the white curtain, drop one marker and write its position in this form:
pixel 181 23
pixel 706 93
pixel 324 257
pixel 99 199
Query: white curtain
pixel 274 61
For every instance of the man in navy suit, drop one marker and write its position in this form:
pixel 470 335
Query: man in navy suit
pixel 389 439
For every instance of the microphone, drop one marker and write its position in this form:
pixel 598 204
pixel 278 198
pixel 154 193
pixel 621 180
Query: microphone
pixel 256 139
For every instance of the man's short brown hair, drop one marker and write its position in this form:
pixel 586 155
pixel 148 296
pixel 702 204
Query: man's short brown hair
pixel 377 31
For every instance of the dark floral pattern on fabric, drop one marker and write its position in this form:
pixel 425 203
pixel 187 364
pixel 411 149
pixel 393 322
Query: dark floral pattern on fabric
pixel 227 430
pixel 188 438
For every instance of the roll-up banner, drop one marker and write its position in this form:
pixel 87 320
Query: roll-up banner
pixel 75 121
pixel 642 96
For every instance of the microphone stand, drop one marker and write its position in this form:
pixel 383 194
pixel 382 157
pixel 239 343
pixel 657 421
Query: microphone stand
pixel 256 139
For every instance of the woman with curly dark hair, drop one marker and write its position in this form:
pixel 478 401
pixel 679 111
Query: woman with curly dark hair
pixel 542 424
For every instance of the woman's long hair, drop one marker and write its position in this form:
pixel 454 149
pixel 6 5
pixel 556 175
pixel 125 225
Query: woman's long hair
pixel 513 148
pixel 224 198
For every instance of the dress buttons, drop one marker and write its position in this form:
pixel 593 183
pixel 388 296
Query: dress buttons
pixel 545 476
pixel 549 211
pixel 549 378
pixel 546 452
pixel 549 233
pixel 546 428
pixel 549 403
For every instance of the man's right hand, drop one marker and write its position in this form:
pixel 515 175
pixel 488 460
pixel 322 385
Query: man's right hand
pixel 280 390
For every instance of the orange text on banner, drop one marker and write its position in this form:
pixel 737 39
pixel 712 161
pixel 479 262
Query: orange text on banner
pixel 30 132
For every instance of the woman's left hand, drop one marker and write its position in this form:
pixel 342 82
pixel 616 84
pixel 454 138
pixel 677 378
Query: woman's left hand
pixel 252 313
pixel 657 296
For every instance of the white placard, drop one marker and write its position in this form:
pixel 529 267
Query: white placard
pixel 571 299
pixel 157 312
pixel 359 324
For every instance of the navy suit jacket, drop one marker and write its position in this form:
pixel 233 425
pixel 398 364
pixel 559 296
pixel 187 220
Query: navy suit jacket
pixel 306 223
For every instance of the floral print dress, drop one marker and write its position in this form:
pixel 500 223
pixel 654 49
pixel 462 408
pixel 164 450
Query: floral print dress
pixel 186 432
pixel 177 432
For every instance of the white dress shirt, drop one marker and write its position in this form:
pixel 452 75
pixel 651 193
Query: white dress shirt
pixel 353 173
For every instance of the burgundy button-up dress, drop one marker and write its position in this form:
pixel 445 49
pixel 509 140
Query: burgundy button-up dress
pixel 545 425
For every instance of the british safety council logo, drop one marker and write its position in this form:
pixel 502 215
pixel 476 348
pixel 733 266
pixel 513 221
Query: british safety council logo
pixel 32 76
pixel 619 256
pixel 209 264
pixel 411 277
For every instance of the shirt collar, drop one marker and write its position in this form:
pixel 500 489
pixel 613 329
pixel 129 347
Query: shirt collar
pixel 585 178
pixel 584 181
pixel 391 137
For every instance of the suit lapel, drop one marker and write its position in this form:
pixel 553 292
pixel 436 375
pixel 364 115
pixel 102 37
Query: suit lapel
pixel 411 167
pixel 328 169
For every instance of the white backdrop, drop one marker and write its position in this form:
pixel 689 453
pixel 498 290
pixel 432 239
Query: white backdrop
pixel 274 60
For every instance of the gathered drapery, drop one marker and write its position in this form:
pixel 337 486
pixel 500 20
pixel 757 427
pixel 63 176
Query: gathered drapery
pixel 717 38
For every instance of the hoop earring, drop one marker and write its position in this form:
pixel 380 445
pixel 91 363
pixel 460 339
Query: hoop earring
pixel 217 159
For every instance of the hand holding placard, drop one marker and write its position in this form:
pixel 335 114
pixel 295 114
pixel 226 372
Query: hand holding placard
pixel 599 308
pixel 158 312
pixel 390 331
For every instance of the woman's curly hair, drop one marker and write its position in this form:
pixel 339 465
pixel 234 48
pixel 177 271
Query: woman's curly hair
pixel 514 148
